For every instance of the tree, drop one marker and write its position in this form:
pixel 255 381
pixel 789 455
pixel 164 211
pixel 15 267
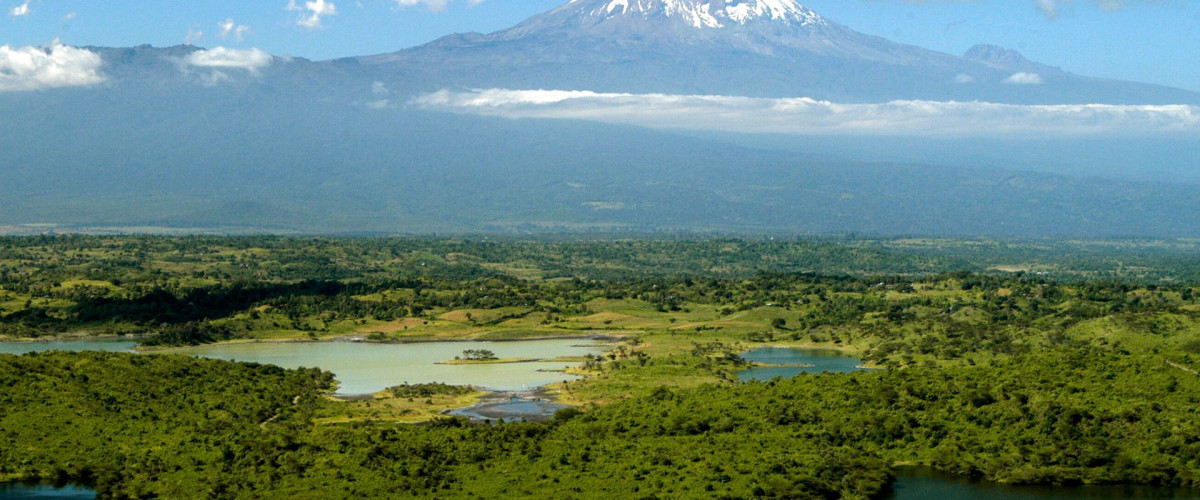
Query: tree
pixel 478 355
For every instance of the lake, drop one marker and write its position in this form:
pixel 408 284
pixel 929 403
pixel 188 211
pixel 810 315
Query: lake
pixel 821 360
pixel 364 368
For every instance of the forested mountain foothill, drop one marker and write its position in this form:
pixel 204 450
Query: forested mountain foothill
pixel 1065 371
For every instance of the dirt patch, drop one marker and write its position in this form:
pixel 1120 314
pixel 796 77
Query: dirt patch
pixel 605 316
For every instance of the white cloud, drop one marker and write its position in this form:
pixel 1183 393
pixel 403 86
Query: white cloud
pixel 37 68
pixel 1048 7
pixel 229 28
pixel 1052 8
pixel 380 90
pixel 964 78
pixel 313 12
pixel 211 67
pixel 20 10
pixel 70 15
pixel 1024 79
pixel 250 60
pixel 812 117
pixel 194 35
pixel 434 5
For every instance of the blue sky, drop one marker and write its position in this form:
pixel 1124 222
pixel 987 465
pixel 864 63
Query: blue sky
pixel 1143 40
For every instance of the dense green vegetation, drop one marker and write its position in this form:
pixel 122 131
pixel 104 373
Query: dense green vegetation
pixel 219 429
pixel 200 290
pixel 1009 375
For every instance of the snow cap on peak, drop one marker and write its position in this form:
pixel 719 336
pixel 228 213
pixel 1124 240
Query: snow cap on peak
pixel 712 13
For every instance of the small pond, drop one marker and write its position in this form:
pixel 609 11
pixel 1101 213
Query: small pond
pixel 364 368
pixel 114 345
pixel 792 361
pixel 19 491
pixel 510 409
pixel 919 483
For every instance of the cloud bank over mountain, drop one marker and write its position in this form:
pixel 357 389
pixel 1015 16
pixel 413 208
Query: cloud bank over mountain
pixel 816 117
pixel 56 66
pixel 222 57
pixel 772 120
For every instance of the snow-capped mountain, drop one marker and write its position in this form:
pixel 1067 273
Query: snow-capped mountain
pixel 696 13
pixel 776 48
pixel 189 137
pixel 754 26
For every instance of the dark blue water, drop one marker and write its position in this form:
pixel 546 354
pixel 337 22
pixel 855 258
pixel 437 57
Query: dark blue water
pixel 822 360
pixel 918 483
pixel 16 491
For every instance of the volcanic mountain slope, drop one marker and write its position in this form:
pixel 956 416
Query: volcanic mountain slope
pixel 776 48
pixel 185 137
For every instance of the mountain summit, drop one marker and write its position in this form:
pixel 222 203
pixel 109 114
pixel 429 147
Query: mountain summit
pixel 757 48
pixel 699 14
pixel 756 26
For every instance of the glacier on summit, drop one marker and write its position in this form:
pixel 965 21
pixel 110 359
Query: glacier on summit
pixel 712 14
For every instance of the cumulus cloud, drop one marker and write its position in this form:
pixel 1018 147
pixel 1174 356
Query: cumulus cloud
pixel 1024 79
pixel 225 58
pixel 20 10
pixel 37 68
pixel 812 117
pixel 434 5
pixel 312 12
pixel 228 28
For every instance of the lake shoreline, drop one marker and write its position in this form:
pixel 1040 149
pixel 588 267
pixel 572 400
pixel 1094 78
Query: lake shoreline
pixel 70 338
pixel 606 338
pixel 365 367
pixel 357 339
pixel 602 340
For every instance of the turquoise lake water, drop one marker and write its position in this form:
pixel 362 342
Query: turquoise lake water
pixel 44 492
pixel 821 360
